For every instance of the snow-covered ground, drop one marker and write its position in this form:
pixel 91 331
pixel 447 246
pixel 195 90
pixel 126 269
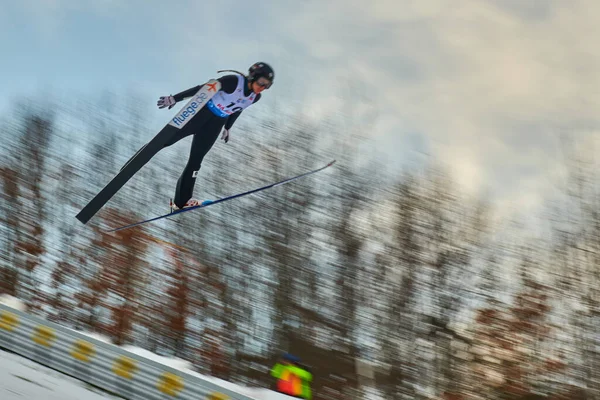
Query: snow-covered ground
pixel 12 302
pixel 21 379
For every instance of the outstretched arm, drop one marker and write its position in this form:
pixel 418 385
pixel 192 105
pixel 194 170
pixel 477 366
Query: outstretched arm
pixel 228 85
pixel 187 93
pixel 170 101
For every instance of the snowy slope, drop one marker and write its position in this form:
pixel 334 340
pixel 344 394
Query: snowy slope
pixel 21 379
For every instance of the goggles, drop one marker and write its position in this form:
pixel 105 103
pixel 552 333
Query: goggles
pixel 263 83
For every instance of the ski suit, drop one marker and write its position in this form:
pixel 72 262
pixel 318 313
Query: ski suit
pixel 220 112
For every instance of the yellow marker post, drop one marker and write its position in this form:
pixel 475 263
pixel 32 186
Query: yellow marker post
pixel 83 351
pixel 170 384
pixel 218 396
pixel 125 367
pixel 8 321
pixel 43 335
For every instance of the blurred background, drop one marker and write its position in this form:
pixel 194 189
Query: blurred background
pixel 452 252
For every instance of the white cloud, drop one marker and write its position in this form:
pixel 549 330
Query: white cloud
pixel 491 85
pixel 483 78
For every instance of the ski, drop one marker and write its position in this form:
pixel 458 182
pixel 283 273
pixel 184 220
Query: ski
pixel 195 104
pixel 221 200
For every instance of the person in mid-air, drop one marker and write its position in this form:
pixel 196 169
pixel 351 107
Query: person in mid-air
pixel 238 91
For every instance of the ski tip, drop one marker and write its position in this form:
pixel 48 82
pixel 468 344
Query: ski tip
pixel 331 163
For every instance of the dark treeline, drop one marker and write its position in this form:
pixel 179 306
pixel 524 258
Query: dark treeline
pixel 398 284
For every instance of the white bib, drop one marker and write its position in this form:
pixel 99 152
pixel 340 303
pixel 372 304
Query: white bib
pixel 224 104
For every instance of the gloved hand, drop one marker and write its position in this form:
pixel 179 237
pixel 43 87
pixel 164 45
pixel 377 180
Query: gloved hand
pixel 225 135
pixel 166 101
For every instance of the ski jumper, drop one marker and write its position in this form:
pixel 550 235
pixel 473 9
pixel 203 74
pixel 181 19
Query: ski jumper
pixel 219 112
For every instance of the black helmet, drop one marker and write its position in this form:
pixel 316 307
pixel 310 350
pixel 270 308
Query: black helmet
pixel 261 70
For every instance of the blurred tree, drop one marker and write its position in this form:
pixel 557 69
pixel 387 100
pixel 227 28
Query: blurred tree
pixel 399 263
pixel 10 231
pixel 512 358
pixel 30 161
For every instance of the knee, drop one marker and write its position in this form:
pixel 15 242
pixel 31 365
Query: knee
pixel 193 165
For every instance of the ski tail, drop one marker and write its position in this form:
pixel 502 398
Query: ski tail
pixel 146 153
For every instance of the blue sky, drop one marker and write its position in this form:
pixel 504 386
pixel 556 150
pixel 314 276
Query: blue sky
pixel 487 87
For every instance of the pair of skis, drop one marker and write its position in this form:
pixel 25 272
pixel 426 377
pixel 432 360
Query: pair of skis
pixel 195 104
pixel 211 202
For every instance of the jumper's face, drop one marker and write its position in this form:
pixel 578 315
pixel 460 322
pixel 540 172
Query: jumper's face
pixel 261 84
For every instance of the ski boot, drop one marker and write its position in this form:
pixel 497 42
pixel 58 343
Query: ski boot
pixel 189 203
